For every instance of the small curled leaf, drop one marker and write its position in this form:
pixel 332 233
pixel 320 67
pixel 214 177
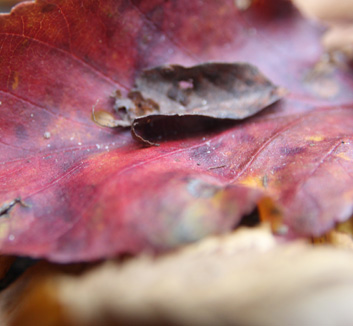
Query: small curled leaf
pixel 215 90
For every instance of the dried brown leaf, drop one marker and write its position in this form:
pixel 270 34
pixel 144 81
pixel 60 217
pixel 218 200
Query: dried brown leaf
pixel 214 90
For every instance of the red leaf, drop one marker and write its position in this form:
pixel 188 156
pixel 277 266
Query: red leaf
pixel 89 192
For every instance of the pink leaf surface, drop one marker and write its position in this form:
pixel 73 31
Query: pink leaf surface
pixel 90 192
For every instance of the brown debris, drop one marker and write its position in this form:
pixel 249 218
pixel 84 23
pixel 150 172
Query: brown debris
pixel 215 90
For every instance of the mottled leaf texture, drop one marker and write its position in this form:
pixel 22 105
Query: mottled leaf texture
pixel 71 190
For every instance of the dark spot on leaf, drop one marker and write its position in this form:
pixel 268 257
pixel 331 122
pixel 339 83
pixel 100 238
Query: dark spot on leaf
pixel 21 132
pixel 292 151
pixel 217 167
pixel 48 8
pixel 247 138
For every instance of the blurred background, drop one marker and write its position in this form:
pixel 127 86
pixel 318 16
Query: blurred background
pixel 6 5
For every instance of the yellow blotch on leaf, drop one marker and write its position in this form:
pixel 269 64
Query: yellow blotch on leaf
pixel 345 156
pixel 16 79
pixel 255 181
pixel 316 138
pixel 4 230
